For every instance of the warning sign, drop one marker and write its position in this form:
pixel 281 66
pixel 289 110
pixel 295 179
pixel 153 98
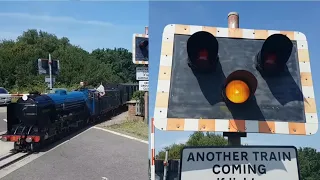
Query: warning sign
pixel 143 85
pixel 240 163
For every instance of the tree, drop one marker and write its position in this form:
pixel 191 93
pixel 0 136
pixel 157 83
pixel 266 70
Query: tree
pixel 18 59
pixel 195 139
pixel 309 162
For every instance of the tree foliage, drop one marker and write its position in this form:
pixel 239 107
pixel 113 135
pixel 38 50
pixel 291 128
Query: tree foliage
pixel 309 162
pixel 196 139
pixel 308 158
pixel 18 62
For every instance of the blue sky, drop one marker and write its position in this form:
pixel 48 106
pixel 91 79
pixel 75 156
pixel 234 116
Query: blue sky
pixel 90 25
pixel 291 16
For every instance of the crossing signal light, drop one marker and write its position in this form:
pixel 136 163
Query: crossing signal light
pixel 240 85
pixel 140 51
pixel 237 80
pixel 274 54
pixel 237 91
pixel 144 47
pixel 55 67
pixel 43 67
pixel 202 49
pixel 45 64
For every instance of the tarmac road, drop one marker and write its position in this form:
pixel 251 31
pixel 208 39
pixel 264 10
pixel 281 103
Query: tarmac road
pixel 94 154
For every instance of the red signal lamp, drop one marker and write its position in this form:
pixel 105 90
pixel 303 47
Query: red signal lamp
pixel 202 49
pixel 274 54
pixel 239 87
pixel 55 64
pixel 144 44
pixel 203 55
pixel 44 63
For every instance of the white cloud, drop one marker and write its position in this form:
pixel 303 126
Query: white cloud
pixel 59 19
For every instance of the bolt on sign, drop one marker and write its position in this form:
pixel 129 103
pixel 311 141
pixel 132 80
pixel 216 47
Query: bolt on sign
pixel 239 163
pixel 140 49
pixel 235 80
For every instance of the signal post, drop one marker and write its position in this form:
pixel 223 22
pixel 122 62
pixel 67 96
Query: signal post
pixel 49 67
pixel 140 56
pixel 235 81
pixel 234 138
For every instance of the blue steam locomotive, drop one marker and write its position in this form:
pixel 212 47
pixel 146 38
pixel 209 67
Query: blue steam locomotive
pixel 37 119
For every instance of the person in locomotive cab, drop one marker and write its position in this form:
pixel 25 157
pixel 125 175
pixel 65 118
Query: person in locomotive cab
pixel 81 86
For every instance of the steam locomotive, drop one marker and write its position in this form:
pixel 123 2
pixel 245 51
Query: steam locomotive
pixel 36 119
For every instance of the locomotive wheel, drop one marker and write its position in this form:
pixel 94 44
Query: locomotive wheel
pixel 16 147
pixel 35 147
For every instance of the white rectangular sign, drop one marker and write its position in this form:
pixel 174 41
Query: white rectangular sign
pixel 142 73
pixel 239 163
pixel 47 79
pixel 143 85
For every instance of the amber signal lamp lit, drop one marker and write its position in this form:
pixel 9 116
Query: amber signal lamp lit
pixel 237 91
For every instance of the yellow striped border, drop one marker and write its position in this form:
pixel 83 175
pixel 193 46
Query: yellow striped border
pixel 162 122
pixel 134 60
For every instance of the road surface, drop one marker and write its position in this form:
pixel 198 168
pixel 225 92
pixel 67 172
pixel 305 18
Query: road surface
pixel 3 115
pixel 94 154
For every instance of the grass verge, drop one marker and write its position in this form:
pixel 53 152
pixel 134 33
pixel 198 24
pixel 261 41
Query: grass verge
pixel 136 129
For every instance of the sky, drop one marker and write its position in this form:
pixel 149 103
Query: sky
pixel 291 16
pixel 90 25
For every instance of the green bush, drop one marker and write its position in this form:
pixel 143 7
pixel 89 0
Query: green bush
pixel 138 95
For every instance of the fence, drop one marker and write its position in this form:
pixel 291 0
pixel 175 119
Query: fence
pixel 173 170
pixel 139 108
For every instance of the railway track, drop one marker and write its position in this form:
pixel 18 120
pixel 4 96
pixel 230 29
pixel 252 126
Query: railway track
pixel 11 158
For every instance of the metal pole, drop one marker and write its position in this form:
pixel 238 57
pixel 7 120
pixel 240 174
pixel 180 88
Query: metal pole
pixel 146 107
pixel 233 20
pixel 50 72
pixel 165 168
pixel 234 138
pixel 146 94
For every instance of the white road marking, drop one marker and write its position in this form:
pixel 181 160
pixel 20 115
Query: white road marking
pixel 5 120
pixel 3 109
pixel 120 134
pixel 104 178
